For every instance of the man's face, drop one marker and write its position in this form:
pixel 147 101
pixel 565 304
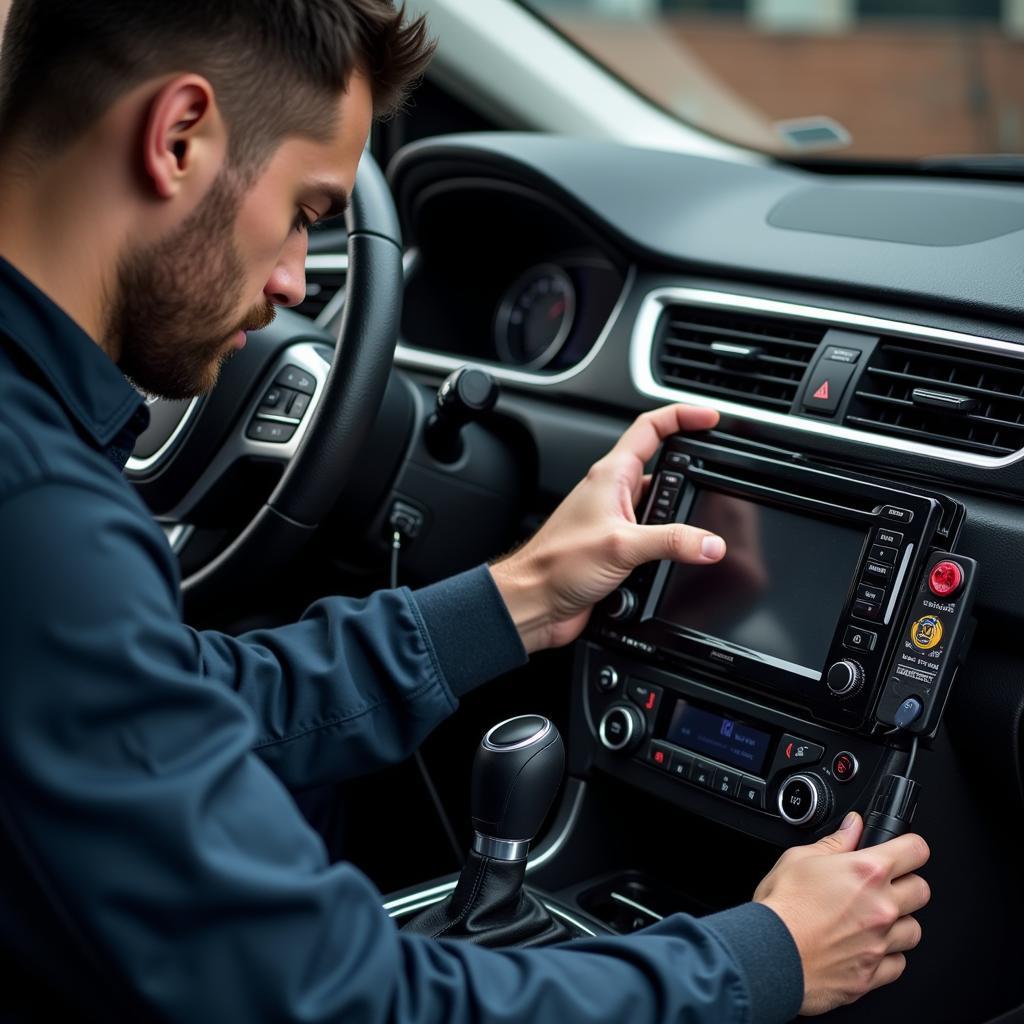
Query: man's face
pixel 182 305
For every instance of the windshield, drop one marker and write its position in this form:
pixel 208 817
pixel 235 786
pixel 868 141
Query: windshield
pixel 865 79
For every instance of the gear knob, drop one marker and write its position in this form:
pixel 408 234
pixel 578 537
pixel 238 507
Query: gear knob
pixel 516 774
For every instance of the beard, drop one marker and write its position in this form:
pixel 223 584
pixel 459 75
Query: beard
pixel 174 315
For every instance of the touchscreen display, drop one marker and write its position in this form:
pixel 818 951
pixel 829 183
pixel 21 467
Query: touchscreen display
pixel 780 588
pixel 718 737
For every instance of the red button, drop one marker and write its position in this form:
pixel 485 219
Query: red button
pixel 945 579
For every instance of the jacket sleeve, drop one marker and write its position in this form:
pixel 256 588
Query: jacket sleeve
pixel 358 684
pixel 176 862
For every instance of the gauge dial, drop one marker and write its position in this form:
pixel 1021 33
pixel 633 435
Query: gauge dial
pixel 535 317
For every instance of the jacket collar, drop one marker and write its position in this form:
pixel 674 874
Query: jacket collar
pixel 82 376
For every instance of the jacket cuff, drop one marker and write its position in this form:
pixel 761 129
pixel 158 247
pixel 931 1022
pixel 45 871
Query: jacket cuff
pixel 473 635
pixel 764 951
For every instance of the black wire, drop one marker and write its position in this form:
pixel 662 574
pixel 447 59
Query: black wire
pixel 913 754
pixel 428 782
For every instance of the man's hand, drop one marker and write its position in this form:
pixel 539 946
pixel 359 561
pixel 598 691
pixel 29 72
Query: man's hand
pixel 592 541
pixel 848 911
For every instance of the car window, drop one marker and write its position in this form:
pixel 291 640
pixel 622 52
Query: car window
pixel 868 79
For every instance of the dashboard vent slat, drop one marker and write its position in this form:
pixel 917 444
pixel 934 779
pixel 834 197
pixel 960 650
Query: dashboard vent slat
pixel 692 354
pixel 884 400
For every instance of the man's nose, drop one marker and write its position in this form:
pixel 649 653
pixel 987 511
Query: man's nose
pixel 286 286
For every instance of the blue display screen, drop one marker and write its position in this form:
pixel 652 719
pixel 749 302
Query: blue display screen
pixel 720 738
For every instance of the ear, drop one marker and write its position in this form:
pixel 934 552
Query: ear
pixel 184 137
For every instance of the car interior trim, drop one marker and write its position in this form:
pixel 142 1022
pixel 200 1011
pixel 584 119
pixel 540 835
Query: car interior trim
pixel 619 898
pixel 645 332
pixel 424 359
pixel 138 465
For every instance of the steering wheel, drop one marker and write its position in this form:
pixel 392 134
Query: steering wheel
pixel 344 389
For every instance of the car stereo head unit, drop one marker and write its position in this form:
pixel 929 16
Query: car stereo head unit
pixel 812 589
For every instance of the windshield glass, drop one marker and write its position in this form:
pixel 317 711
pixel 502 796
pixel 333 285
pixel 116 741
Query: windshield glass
pixel 863 79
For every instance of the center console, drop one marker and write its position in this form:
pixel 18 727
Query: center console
pixel 772 690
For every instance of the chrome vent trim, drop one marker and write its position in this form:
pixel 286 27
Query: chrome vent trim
pixel 325 286
pixel 642 351
pixel 724 353
pixel 902 389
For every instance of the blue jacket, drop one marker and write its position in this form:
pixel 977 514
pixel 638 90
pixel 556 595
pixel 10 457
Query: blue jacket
pixel 154 865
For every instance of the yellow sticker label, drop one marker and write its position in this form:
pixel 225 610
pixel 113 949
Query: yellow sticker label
pixel 926 632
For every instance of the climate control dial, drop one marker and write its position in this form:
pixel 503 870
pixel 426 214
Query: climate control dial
pixel 622 728
pixel 805 799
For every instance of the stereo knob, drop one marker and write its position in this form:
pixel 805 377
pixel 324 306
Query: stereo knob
pixel 622 727
pixel 845 678
pixel 621 604
pixel 805 800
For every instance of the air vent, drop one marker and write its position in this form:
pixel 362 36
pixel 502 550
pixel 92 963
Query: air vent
pixel 325 278
pixel 756 360
pixel 954 397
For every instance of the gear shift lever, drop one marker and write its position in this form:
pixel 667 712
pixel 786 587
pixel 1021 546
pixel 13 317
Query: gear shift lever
pixel 516 774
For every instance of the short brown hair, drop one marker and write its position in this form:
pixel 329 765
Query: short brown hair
pixel 277 66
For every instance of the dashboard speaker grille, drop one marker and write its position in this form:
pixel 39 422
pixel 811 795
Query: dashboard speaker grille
pixel 959 398
pixel 754 359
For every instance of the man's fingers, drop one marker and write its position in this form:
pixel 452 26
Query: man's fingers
pixel 904 854
pixel 676 541
pixel 891 967
pixel 912 893
pixel 646 433
pixel 844 839
pixel 904 935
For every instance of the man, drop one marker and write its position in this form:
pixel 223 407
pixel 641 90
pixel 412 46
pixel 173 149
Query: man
pixel 159 165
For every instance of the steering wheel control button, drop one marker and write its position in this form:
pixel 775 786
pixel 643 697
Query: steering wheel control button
pixel 866 610
pixel 877 572
pixel 945 579
pixel 659 754
pixel 275 400
pixel 827 387
pixel 803 800
pixel 681 766
pixel 896 515
pixel 926 632
pixel 621 728
pixel 881 553
pixel 670 481
pixel 891 538
pixel 299 380
pixel 858 639
pixel 869 594
pixel 751 792
pixel 268 430
pixel 908 713
pixel 844 766
pixel 607 680
pixel 793 751
pixel 646 695
pixel 299 405
pixel 703 774
pixel 845 678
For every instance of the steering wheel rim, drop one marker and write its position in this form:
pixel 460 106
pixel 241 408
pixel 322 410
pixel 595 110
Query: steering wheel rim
pixel 325 459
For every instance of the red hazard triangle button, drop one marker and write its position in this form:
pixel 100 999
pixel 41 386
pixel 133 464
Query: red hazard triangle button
pixel 822 392
pixel 827 386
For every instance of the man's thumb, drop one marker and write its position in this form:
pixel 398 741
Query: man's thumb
pixel 846 838
pixel 677 542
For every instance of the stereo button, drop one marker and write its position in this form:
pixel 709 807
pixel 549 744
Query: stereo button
pixel 703 774
pixel 870 594
pixel 866 610
pixel 877 572
pixel 858 639
pixel 751 792
pixel 897 515
pixel 890 537
pixel 881 553
pixel 681 766
pixel 726 782
pixel 793 750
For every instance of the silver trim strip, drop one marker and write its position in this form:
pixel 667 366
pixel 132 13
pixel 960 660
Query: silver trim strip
pixel 541 732
pixel 431 895
pixel 328 262
pixel 637 906
pixel 551 908
pixel 642 345
pixel 814 799
pixel 500 849
pixel 559 912
pixel 427 359
pixel 139 465
pixel 898 582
